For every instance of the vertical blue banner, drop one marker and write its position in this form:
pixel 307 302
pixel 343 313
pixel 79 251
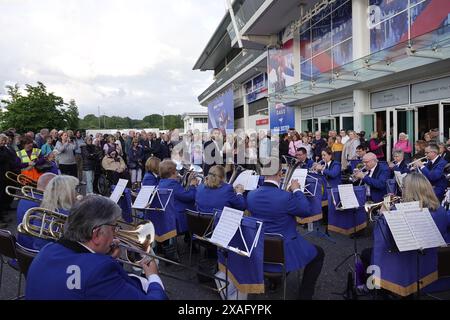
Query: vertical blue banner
pixel 281 117
pixel 221 112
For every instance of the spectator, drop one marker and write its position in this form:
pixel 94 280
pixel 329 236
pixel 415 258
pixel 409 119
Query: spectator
pixel 284 145
pixel 318 144
pixel 66 157
pixel 404 145
pixel 420 146
pixel 91 157
pixel 47 147
pixel 344 136
pixel 294 144
pixel 337 148
pixel 79 142
pixel 135 164
pixel 41 138
pixel 115 166
pixel 376 145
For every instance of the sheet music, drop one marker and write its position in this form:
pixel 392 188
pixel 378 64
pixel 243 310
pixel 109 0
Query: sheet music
pixel 414 205
pixel 118 190
pixel 300 175
pixel 424 229
pixel 399 178
pixel 414 230
pixel 143 198
pixel 347 196
pixel 248 180
pixel 226 228
pixel 403 236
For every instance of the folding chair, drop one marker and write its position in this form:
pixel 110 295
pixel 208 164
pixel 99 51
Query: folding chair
pixel 198 223
pixel 8 250
pixel 274 254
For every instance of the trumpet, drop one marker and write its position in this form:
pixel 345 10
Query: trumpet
pixel 313 169
pixel 374 209
pixel 359 168
pixel 423 160
pixel 137 242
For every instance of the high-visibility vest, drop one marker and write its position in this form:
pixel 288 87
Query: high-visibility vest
pixel 24 158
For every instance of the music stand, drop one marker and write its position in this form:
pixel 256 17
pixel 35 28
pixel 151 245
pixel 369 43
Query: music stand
pixel 158 206
pixel 355 255
pixel 312 193
pixel 226 249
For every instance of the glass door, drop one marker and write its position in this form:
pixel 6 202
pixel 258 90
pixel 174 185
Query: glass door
pixel 327 124
pixel 444 122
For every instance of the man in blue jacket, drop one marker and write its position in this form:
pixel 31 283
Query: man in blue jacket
pixel 82 265
pixel 374 178
pixel 434 170
pixel 278 210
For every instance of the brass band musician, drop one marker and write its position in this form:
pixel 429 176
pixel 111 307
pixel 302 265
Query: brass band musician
pixel 82 265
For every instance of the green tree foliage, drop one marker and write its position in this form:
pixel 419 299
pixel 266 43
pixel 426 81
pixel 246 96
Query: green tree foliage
pixel 37 109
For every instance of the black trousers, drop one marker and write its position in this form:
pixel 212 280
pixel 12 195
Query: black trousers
pixel 311 274
pixel 69 169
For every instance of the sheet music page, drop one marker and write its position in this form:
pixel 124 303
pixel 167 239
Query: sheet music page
pixel 300 175
pixel 252 182
pixel 143 198
pixel 399 178
pixel 424 229
pixel 247 179
pixel 413 205
pixel 347 196
pixel 226 228
pixel 118 190
pixel 403 235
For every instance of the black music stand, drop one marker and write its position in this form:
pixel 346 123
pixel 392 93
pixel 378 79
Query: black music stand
pixel 226 249
pixel 355 255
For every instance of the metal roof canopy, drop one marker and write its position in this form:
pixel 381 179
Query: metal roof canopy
pixel 276 15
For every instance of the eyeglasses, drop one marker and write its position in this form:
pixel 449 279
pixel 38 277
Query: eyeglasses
pixel 116 226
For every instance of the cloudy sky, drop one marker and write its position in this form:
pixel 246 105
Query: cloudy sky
pixel 130 57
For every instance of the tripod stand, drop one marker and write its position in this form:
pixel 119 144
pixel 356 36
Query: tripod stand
pixel 350 291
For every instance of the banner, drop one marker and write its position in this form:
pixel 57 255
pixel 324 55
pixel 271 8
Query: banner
pixel 281 64
pixel 221 112
pixel 281 118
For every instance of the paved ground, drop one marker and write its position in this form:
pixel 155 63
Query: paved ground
pixel 330 283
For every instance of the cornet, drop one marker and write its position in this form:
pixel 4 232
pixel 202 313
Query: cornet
pixel 423 160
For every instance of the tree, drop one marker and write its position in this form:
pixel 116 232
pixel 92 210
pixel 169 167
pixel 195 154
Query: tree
pixel 37 109
pixel 71 115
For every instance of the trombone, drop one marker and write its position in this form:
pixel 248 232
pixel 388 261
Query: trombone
pixel 20 179
pixel 49 225
pixel 22 193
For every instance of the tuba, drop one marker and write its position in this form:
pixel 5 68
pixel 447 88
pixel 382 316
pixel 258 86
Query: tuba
pixel 293 164
pixel 237 170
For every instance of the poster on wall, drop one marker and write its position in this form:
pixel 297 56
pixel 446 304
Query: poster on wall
pixel 221 112
pixel 388 20
pixel 281 118
pixel 280 64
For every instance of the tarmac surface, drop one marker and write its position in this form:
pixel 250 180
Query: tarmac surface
pixel 330 286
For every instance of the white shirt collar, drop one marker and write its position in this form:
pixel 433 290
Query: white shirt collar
pixel 272 182
pixel 87 248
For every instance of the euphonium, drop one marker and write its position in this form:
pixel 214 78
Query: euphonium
pixel 49 225
pixel 373 209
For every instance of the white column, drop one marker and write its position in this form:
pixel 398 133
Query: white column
pixel 388 134
pixel 298 122
pixel 361 48
pixel 297 70
pixel 246 123
pixel 360 106
pixel 360 29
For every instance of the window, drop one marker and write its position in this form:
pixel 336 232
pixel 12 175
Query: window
pixel 326 40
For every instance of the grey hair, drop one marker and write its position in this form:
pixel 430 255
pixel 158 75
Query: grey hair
pixel 91 212
pixel 398 153
pixel 60 193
